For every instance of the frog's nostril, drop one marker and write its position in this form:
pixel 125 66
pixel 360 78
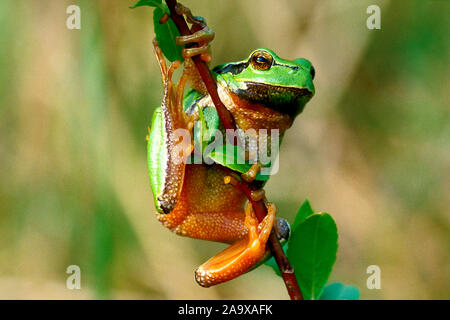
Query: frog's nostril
pixel 312 71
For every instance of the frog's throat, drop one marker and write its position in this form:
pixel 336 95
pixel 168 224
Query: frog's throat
pixel 250 115
pixel 284 99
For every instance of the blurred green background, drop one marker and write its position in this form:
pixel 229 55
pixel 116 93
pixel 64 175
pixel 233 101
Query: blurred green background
pixel 371 148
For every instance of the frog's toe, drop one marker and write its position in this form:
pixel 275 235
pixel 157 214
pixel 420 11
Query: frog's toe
pixel 203 36
pixel 250 175
pixel 202 51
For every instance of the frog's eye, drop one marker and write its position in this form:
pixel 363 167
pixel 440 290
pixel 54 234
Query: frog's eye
pixel 261 60
pixel 312 71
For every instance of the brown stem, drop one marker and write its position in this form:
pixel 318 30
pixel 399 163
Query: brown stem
pixel 286 270
pixel 224 115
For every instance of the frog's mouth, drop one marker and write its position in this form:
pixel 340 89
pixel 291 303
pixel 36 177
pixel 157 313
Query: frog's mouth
pixel 287 100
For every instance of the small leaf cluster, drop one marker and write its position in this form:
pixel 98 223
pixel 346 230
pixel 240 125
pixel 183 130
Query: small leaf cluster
pixel 312 249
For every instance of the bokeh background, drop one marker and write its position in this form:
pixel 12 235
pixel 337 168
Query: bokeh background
pixel 371 148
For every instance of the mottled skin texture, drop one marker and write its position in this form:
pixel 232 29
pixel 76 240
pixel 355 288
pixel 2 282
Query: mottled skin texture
pixel 196 202
pixel 207 208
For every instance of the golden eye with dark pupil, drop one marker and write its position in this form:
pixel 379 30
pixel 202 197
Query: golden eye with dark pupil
pixel 261 60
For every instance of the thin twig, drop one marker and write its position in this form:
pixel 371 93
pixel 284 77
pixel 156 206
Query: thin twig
pixel 287 271
pixel 224 115
pixel 259 208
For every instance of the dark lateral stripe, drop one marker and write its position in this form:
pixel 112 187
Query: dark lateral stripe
pixel 258 91
pixel 233 68
pixel 286 65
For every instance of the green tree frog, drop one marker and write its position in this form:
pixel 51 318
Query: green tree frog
pixel 263 91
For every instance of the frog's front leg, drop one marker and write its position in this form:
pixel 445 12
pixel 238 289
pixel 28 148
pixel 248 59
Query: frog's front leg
pixel 202 35
pixel 242 255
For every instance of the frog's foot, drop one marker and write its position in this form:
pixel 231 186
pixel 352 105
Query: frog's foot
pixel 202 35
pixel 173 94
pixel 242 255
pixel 250 175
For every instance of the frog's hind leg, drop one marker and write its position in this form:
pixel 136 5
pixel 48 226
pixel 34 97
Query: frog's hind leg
pixel 210 209
pixel 242 255
pixel 177 129
pixel 161 61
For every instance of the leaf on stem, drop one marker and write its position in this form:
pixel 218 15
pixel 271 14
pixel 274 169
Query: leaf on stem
pixel 231 156
pixel 150 3
pixel 312 251
pixel 302 213
pixel 165 32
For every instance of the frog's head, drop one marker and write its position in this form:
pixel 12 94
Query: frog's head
pixel 264 78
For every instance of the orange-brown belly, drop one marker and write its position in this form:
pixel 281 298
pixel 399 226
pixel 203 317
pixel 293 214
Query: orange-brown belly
pixel 207 208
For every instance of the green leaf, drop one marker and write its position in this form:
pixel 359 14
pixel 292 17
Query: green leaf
pixel 312 251
pixel 231 157
pixel 339 291
pixel 205 128
pixel 302 213
pixel 150 3
pixel 166 32
pixel 165 35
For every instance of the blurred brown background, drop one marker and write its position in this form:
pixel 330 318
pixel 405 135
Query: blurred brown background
pixel 371 148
